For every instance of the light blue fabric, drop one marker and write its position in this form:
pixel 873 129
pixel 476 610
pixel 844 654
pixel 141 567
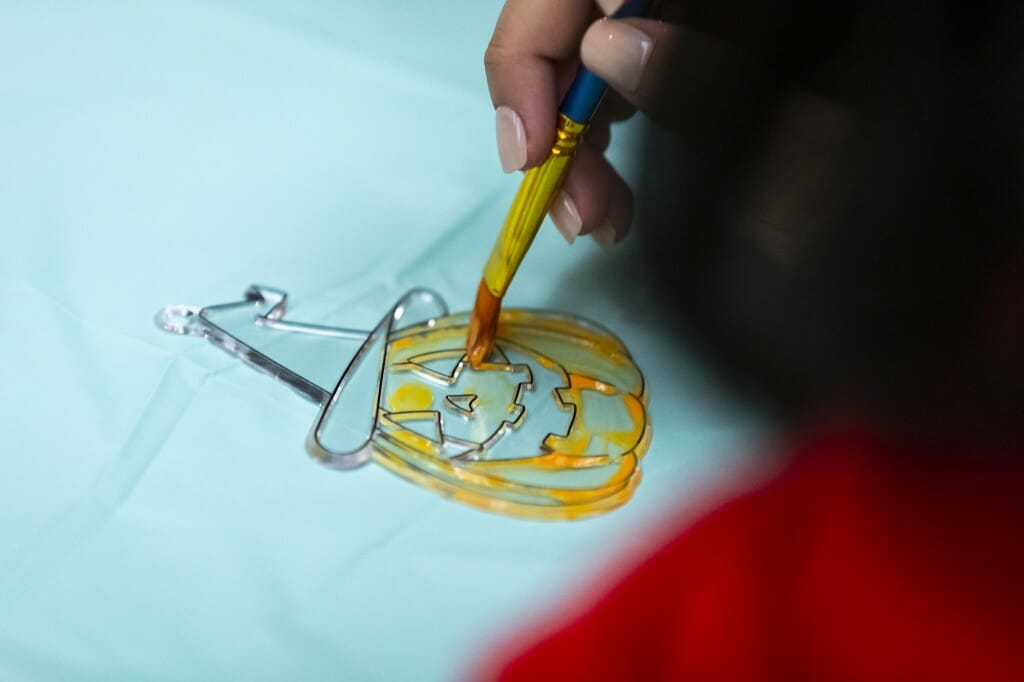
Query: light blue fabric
pixel 158 516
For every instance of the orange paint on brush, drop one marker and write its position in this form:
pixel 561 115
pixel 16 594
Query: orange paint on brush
pixel 483 325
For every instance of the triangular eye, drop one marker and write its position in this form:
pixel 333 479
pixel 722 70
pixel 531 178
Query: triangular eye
pixel 462 403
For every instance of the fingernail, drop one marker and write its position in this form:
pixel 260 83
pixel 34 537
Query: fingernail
pixel 511 139
pixel 609 6
pixel 604 235
pixel 565 217
pixel 618 52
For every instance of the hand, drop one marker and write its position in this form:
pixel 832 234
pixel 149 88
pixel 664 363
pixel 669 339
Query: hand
pixel 530 61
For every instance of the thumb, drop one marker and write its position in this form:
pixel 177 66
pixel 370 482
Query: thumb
pixel 631 55
pixel 682 78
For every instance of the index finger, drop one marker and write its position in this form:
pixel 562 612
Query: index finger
pixel 530 39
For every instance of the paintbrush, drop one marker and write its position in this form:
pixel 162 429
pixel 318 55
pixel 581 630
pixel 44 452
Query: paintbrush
pixel 533 200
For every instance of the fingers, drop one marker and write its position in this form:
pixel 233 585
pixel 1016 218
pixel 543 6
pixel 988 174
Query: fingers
pixel 632 55
pixel 530 60
pixel 531 40
pixel 594 200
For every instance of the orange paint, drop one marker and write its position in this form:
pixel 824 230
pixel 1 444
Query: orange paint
pixel 586 466
pixel 588 432
pixel 483 325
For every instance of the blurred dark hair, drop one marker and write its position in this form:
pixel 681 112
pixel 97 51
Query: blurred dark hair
pixel 835 217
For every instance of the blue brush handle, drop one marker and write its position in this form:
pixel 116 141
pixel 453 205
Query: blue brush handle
pixel 587 90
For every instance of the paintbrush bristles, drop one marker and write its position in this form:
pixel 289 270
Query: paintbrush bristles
pixel 483 325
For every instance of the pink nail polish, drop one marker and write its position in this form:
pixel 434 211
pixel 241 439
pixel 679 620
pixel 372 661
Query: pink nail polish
pixel 511 139
pixel 617 52
pixel 566 217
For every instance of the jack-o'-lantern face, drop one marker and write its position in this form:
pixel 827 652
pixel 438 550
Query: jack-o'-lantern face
pixel 552 426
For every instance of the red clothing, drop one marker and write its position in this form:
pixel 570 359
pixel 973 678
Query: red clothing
pixel 861 560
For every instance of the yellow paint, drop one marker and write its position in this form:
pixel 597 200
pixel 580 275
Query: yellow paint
pixel 410 398
pixel 402 344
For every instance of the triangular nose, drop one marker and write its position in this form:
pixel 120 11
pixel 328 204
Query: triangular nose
pixel 463 403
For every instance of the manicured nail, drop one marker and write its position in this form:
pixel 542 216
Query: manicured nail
pixel 609 6
pixel 565 217
pixel 511 139
pixel 618 52
pixel 604 235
